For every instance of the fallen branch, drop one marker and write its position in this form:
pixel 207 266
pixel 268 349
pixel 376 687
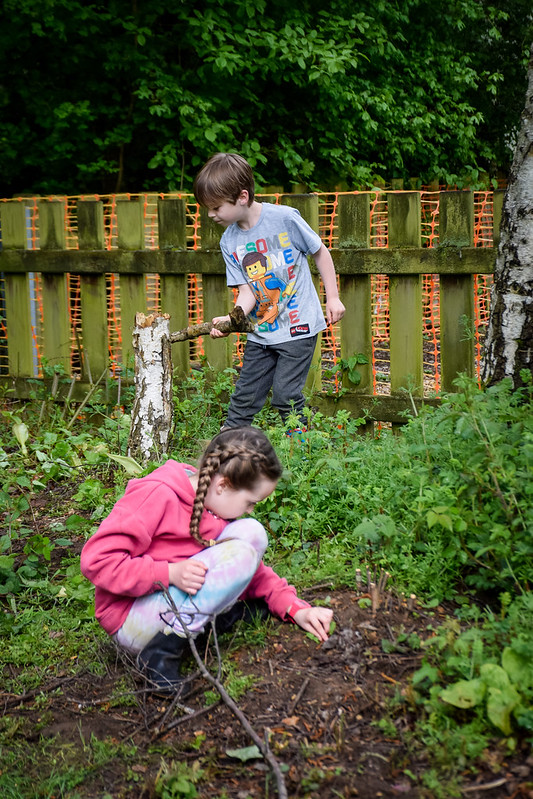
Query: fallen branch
pixel 487 786
pixel 11 700
pixel 226 698
pixel 238 323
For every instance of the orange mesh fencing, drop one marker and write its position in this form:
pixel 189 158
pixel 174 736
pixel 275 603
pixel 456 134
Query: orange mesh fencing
pixel 328 230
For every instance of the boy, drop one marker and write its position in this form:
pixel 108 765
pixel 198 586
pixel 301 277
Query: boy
pixel 265 248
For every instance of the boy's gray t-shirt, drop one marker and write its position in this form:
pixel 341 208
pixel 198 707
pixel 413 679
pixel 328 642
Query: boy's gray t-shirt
pixel 272 258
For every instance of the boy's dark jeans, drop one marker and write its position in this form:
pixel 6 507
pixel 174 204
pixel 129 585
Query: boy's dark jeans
pixel 282 367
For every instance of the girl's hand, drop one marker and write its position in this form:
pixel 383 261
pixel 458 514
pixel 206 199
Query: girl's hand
pixel 315 621
pixel 188 575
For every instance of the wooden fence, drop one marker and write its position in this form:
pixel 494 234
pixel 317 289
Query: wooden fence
pixel 405 261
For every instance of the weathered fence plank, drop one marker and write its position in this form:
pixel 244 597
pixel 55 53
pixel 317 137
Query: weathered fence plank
pixel 172 225
pixel 94 329
pixel 456 229
pixel 17 294
pixel 56 321
pixel 307 205
pixel 356 293
pixel 356 326
pixel 130 236
pixel 405 298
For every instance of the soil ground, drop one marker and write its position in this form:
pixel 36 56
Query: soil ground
pixel 317 704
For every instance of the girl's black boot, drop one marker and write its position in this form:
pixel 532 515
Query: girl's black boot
pixel 160 661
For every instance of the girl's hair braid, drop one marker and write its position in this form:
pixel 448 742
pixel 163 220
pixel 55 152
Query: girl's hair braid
pixel 243 455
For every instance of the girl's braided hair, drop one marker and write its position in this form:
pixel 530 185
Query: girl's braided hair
pixel 243 455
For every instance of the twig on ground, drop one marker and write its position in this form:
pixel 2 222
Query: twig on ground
pixel 301 692
pixel 487 786
pixel 12 700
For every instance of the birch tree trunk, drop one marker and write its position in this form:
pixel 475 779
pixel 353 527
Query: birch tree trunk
pixel 151 416
pixel 509 344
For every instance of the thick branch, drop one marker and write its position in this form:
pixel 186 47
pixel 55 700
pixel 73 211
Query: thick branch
pixel 238 324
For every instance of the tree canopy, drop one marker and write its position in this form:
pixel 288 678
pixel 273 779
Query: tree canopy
pixel 109 96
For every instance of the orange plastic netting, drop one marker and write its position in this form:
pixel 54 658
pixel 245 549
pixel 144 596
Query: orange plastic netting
pixel 328 206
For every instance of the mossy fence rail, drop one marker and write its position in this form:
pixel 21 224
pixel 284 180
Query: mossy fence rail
pixel 405 261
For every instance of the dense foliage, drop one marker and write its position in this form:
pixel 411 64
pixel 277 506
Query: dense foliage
pixel 114 96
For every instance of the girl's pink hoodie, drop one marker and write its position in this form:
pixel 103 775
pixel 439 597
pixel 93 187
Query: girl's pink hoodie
pixel 149 528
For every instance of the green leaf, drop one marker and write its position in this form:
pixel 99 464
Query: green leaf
pixel 21 433
pixel 464 694
pixel 494 676
pixel 129 465
pixel 6 562
pixel 500 704
pixel 247 753
pixel 425 672
pixel 518 668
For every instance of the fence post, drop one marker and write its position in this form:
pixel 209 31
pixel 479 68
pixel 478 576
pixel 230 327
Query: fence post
pixel 94 327
pixel 456 229
pixel 130 236
pixel 215 296
pixel 56 317
pixel 307 205
pixel 356 292
pixel 17 294
pixel 172 220
pixel 405 298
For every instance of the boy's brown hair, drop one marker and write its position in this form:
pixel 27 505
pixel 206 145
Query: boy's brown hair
pixel 222 179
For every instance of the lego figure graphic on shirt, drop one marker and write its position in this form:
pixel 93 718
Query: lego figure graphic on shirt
pixel 266 287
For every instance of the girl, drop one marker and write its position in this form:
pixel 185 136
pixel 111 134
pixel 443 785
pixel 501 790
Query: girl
pixel 163 531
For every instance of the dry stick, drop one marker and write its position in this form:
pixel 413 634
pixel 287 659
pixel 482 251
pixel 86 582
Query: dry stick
pixel 14 699
pixel 119 388
pixel 226 698
pixel 303 688
pixel 238 323
pixel 487 786
pixel 87 398
pixel 69 396
pixel 173 724
pixel 383 579
pixel 374 595
pixel 53 392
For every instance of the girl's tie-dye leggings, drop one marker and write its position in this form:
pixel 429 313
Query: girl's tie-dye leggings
pixel 231 564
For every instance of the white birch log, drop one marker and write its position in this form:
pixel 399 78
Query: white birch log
pixel 151 421
pixel 509 343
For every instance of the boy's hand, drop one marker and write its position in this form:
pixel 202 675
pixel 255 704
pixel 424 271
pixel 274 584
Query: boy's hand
pixel 334 310
pixel 315 621
pixel 188 575
pixel 214 333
